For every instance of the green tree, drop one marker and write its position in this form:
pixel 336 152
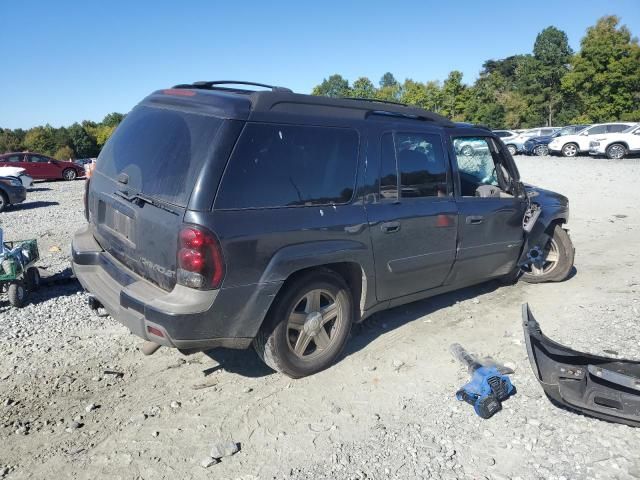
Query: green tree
pixel 363 88
pixel 388 80
pixel 11 140
pixel 454 96
pixel 551 57
pixel 112 119
pixel 41 140
pixel 605 74
pixel 334 86
pixel 84 144
pixel 64 153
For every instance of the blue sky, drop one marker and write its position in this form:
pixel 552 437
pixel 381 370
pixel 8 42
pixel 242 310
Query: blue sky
pixel 65 61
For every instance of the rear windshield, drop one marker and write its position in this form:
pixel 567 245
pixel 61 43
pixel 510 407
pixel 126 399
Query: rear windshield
pixel 286 165
pixel 161 151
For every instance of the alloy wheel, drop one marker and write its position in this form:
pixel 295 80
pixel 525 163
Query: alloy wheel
pixel 544 261
pixel 616 152
pixel 313 323
pixel 569 150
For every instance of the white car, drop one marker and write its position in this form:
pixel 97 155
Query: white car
pixel 617 145
pixel 19 173
pixel 572 145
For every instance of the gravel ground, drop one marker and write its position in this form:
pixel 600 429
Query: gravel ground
pixel 78 400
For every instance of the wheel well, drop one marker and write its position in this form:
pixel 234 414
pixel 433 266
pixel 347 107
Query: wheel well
pixel 353 275
pixel 624 144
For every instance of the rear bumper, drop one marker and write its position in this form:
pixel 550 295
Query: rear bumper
pixel 183 318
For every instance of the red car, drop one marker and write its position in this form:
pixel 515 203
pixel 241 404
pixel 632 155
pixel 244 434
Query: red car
pixel 41 167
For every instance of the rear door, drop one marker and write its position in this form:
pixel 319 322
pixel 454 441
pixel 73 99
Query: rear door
pixel 490 231
pixel 413 218
pixel 37 166
pixel 142 185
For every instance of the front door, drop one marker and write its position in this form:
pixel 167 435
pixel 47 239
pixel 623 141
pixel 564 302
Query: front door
pixel 490 219
pixel 413 217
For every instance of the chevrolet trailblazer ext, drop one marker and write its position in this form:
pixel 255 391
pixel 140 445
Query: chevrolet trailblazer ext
pixel 221 216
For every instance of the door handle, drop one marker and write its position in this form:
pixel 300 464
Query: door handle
pixel 474 220
pixel 390 227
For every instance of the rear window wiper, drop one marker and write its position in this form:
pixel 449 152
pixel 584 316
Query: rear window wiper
pixel 139 198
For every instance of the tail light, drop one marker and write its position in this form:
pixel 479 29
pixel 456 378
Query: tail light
pixel 200 260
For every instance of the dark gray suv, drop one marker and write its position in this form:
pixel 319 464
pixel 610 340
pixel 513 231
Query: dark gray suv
pixel 220 217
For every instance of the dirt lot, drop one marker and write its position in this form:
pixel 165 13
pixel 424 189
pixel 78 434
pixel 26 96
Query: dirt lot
pixel 78 400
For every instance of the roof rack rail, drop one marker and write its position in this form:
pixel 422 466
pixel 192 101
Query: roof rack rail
pixel 412 115
pixel 364 99
pixel 215 83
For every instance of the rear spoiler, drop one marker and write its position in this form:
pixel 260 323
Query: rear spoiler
pixel 601 387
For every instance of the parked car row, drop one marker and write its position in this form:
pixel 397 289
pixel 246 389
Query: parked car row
pixel 614 140
pixel 18 170
pixel 41 167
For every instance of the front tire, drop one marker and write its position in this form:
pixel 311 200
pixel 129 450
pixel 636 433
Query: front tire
pixel 553 262
pixel 4 202
pixel 570 150
pixel 17 295
pixel 307 326
pixel 69 174
pixel 541 150
pixel 616 151
pixel 512 149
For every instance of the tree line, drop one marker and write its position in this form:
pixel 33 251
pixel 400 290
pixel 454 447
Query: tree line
pixel 80 140
pixel 551 86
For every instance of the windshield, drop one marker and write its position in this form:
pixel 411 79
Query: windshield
pixel 160 150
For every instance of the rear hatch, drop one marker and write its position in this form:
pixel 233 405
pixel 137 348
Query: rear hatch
pixel 141 187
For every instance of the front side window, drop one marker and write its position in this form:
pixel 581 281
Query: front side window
pixel 597 130
pixel 36 159
pixel 476 165
pixel 290 165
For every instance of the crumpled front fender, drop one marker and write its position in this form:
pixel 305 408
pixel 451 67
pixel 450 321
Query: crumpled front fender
pixel 596 386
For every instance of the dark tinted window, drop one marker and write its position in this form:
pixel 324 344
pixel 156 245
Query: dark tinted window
pixel 616 128
pixel 13 158
pixel 388 168
pixel 420 163
pixel 161 150
pixel 284 165
pixel 37 159
pixel 546 131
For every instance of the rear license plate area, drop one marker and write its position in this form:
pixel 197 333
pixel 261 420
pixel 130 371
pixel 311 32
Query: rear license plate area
pixel 116 221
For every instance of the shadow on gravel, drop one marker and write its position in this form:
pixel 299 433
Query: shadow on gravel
pixel 32 205
pixel 39 189
pixel 383 322
pixel 241 362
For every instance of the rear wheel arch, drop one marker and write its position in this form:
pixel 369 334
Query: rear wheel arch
pixel 351 272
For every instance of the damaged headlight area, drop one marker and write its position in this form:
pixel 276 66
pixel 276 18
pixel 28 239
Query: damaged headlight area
pixel 601 387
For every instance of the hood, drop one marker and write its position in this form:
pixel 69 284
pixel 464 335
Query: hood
pixel 545 198
pixel 544 139
pixel 11 171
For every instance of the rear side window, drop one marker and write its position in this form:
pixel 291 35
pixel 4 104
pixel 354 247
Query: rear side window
pixel 418 160
pixel 597 130
pixel 287 165
pixel 162 151
pixel 616 128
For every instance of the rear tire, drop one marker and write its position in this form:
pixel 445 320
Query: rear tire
pixel 17 295
pixel 512 149
pixel 616 151
pixel 4 202
pixel 558 257
pixel 307 326
pixel 569 150
pixel 33 279
pixel 69 174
